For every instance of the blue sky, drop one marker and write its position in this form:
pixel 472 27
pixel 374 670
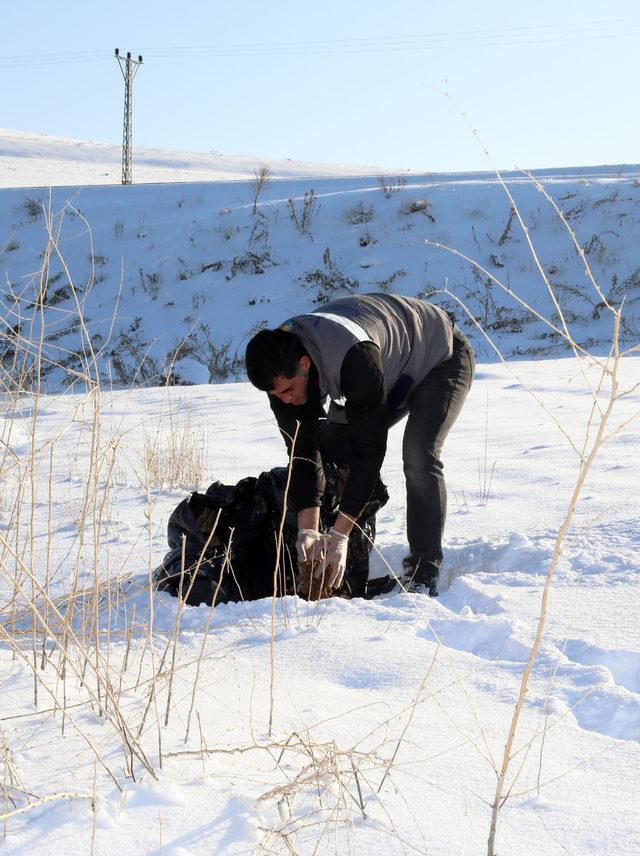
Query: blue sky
pixel 546 84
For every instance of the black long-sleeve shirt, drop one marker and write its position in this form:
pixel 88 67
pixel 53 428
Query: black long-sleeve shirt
pixel 363 387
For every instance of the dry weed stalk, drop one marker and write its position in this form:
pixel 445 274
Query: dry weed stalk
pixel 309 208
pixel 182 599
pixel 594 437
pixel 276 572
pixel 70 625
pixel 330 776
pixel 590 449
pixel 22 656
pixel 196 678
pixel 412 711
pixel 389 186
pixel 70 795
pixel 103 685
pixel 261 177
pixel 332 779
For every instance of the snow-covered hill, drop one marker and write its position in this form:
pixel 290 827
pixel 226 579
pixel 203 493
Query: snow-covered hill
pixel 41 160
pixel 175 277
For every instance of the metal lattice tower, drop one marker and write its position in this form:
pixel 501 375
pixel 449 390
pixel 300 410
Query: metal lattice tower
pixel 129 68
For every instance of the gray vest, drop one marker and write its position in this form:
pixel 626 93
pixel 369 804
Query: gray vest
pixel 413 337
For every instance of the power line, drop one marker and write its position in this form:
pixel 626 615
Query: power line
pixel 311 50
pixel 501 37
pixel 372 41
pixel 571 27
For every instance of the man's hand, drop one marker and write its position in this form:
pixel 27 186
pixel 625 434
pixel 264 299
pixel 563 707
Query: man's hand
pixel 310 545
pixel 335 559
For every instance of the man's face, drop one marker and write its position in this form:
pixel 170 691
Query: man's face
pixel 293 390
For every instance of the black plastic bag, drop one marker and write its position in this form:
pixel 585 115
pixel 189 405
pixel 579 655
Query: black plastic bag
pixel 237 562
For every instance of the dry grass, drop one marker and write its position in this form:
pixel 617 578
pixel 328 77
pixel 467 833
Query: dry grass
pixel 175 453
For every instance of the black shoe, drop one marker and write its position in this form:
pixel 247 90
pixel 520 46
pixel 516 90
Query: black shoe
pixel 380 585
pixel 429 588
pixel 420 576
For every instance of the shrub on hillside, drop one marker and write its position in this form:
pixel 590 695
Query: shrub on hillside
pixel 359 214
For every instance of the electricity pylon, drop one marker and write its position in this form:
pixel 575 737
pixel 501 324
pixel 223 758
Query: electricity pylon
pixel 129 68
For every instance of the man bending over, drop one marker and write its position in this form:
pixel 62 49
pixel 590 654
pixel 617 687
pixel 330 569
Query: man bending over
pixel 378 358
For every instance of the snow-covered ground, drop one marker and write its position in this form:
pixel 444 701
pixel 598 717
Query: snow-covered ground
pixel 151 731
pixel 346 673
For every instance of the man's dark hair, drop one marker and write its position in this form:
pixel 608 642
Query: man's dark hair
pixel 272 353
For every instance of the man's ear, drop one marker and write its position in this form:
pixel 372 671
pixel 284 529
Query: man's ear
pixel 305 364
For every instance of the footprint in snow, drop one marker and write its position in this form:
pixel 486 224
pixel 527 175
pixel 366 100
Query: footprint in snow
pixel 601 688
pixel 612 711
pixel 465 598
pixel 519 554
pixel 488 637
pixel 624 666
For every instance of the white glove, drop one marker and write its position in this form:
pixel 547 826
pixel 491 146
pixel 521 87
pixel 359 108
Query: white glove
pixel 335 559
pixel 310 544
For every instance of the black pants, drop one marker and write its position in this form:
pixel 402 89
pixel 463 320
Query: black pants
pixel 432 409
